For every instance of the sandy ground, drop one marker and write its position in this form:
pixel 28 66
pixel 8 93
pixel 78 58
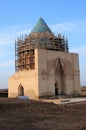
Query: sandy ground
pixel 17 114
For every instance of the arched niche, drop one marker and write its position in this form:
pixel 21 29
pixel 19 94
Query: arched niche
pixel 20 90
pixel 59 77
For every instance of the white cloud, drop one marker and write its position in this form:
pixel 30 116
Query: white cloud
pixel 8 35
pixel 75 26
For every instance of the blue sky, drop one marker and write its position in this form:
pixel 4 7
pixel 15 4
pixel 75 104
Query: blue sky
pixel 18 17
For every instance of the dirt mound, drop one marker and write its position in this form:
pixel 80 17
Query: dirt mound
pixel 17 114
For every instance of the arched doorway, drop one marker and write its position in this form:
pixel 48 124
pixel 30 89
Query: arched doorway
pixel 20 90
pixel 56 89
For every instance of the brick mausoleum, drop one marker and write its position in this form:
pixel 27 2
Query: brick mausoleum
pixel 43 65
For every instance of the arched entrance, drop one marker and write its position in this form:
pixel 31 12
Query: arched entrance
pixel 56 89
pixel 20 90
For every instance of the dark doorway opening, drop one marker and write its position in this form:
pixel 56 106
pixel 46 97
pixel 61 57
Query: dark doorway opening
pixel 56 89
pixel 20 90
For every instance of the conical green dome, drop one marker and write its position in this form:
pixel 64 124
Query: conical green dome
pixel 41 34
pixel 41 26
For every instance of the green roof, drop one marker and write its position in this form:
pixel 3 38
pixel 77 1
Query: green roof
pixel 41 26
